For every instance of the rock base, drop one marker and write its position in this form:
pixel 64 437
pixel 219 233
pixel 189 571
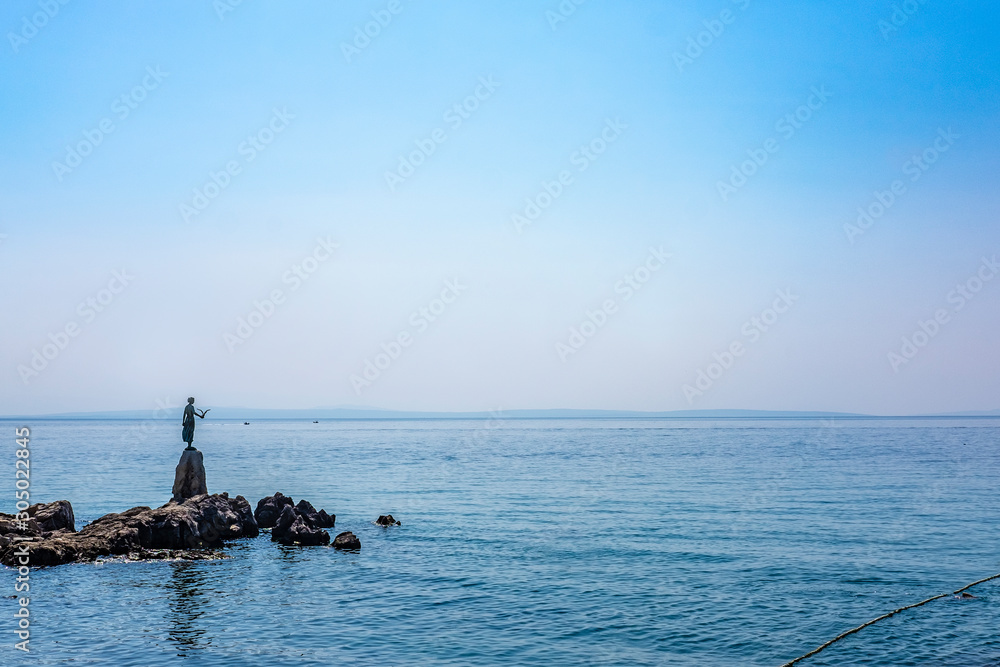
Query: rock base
pixel 347 541
pixel 189 477
pixel 270 508
pixel 291 524
pixel 44 520
pixel 201 522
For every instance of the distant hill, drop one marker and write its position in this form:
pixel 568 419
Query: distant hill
pixel 376 413
pixel 360 412
pixel 974 413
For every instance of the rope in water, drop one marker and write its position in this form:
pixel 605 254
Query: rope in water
pixel 885 616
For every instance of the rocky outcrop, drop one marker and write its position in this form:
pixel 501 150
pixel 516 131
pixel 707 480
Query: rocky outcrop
pixel 53 516
pixel 319 519
pixel 201 522
pixel 42 519
pixel 386 520
pixel 293 528
pixel 298 524
pixel 189 477
pixel 269 509
pixel 347 540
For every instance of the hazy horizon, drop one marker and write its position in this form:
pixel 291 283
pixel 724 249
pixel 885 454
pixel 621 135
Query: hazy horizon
pixel 171 410
pixel 721 205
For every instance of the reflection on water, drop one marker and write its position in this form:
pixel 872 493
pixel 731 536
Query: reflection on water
pixel 289 555
pixel 187 594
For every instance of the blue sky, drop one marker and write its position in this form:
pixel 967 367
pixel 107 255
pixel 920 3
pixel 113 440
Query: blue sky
pixel 226 79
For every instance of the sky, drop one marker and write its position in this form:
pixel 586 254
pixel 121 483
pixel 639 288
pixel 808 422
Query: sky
pixel 447 205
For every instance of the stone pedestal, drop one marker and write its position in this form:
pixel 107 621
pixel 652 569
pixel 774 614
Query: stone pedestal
pixel 189 479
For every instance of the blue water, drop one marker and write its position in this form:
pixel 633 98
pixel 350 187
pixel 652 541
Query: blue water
pixel 562 542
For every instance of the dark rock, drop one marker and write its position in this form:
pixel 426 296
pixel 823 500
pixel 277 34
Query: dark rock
pixel 294 524
pixel 305 535
pixel 42 520
pixel 347 540
pixel 189 477
pixel 201 522
pixel 244 515
pixel 293 527
pixel 315 519
pixel 284 522
pixel 269 509
pixel 324 520
pixel 386 520
pixel 53 516
pixel 9 525
pixel 172 554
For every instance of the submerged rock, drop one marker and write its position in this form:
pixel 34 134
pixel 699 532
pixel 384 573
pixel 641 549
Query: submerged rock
pixel 174 554
pixel 386 520
pixel 189 477
pixel 347 540
pixel 201 522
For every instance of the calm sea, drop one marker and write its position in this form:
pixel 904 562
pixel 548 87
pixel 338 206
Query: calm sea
pixel 537 542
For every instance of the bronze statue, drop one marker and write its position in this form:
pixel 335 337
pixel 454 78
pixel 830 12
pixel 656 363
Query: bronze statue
pixel 188 422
